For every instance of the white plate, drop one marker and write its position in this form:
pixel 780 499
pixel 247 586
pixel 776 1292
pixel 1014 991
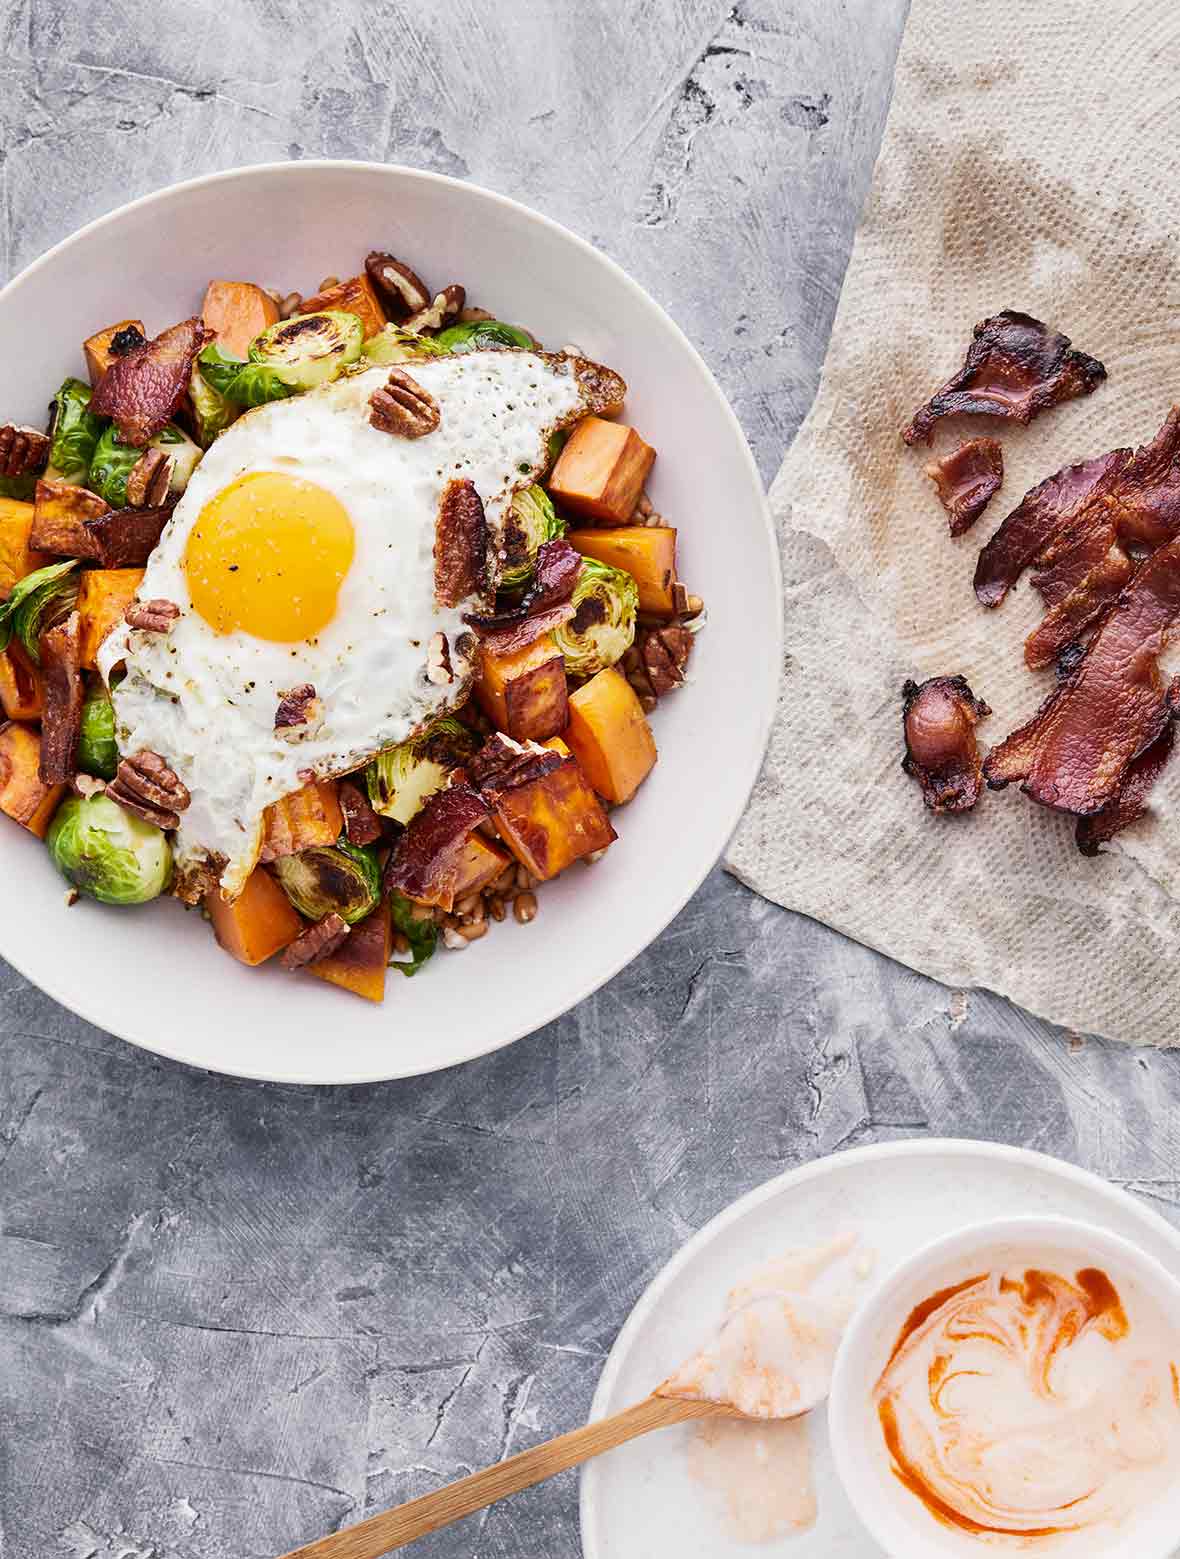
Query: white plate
pixel 155 976
pixel 638 1501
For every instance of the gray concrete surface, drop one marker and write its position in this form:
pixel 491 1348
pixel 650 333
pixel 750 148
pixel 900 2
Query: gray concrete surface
pixel 235 1316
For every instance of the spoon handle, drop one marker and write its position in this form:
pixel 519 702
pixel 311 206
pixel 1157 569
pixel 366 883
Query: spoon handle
pixel 405 1523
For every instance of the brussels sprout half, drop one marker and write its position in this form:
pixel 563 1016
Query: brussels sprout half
pixel 342 879
pixel 481 334
pixel 395 345
pixel 74 432
pixel 402 779
pixel 98 753
pixel 36 602
pixel 602 628
pixel 309 349
pixel 108 854
pixel 531 520
pixel 238 382
pixel 212 411
pixel 114 461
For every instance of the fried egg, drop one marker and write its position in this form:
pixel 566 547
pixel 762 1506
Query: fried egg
pixel 302 552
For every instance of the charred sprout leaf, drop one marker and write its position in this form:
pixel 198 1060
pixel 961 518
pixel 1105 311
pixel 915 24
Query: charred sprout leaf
pixel 41 609
pixel 395 345
pixel 602 628
pixel 342 879
pixel 481 334
pixel 530 521
pixel 29 602
pixel 241 383
pixel 108 854
pixel 74 432
pixel 212 411
pixel 402 779
pixel 114 462
pixel 184 454
pixel 219 369
pixel 422 935
pixel 309 349
pixel 97 752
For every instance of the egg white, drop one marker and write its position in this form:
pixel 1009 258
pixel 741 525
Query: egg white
pixel 206 702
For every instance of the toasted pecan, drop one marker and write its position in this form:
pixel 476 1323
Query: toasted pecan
pixel 403 407
pixel 316 942
pixel 155 616
pixel 23 451
pixel 147 787
pixel 401 290
pixel 149 479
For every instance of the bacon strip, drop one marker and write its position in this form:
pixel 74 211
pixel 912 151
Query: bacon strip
pixel 126 538
pixel 425 862
pixel 1015 367
pixel 967 479
pixel 542 607
pixel 1131 802
pixel 61 721
pixel 460 544
pixel 142 390
pixel 939 719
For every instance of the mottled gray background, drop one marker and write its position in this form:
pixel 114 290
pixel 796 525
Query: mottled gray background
pixel 234 1316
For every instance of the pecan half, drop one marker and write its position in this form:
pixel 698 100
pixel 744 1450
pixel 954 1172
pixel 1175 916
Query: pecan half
pixel 361 823
pixel 446 308
pixel 665 655
pixel 147 482
pixel 401 290
pixel 315 943
pixel 299 713
pixel 403 407
pixel 155 616
pixel 438 661
pixel 196 878
pixel 147 787
pixel 22 450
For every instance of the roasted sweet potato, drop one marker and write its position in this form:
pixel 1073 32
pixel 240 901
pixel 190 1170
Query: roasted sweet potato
pixel 646 552
pixel 236 312
pixel 523 692
pixel 23 797
pixel 97 348
pixel 308 817
pixel 360 962
pixel 258 923
pixel 555 744
pixel 601 471
pixel 481 863
pixel 22 693
pixel 552 821
pixel 104 594
pixel 354 296
pixel 17 557
pixel 609 735
pixel 59 520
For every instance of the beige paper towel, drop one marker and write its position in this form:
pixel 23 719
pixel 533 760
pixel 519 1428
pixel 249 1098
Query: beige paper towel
pixel 1031 161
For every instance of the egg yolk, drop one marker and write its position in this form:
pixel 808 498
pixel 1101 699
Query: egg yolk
pixel 267 556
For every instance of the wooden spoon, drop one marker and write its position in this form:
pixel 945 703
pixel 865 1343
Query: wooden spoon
pixel 405 1523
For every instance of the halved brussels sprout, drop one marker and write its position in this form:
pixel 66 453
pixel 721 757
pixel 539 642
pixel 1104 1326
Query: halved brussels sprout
pixel 108 854
pixel 531 520
pixel 602 628
pixel 97 751
pixel 481 334
pixel 395 345
pixel 185 455
pixel 212 411
pixel 37 601
pixel 239 382
pixel 342 879
pixel 402 779
pixel 114 462
pixel 309 349
pixel 422 935
pixel 74 432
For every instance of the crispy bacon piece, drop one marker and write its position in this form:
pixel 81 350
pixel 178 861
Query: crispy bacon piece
pixel 427 858
pixel 125 538
pixel 141 390
pixel 542 607
pixel 460 544
pixel 967 479
pixel 61 721
pixel 939 719
pixel 1131 802
pixel 519 633
pixel 1015 367
pixel 502 763
pixel 1074 754
pixel 361 823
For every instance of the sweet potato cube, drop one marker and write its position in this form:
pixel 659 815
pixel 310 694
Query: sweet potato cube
pixel 257 923
pixel 355 296
pixel 609 735
pixel 22 693
pixel 97 348
pixel 17 557
pixel 360 962
pixel 552 821
pixel 104 594
pixel 555 744
pixel 601 471
pixel 480 864
pixel 523 693
pixel 308 817
pixel 60 513
pixel 236 312
pixel 646 552
pixel 23 796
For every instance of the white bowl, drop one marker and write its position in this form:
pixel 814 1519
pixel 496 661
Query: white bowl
pixel 155 976
pixel 895 1517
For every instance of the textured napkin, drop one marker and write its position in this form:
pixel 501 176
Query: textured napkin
pixel 1031 161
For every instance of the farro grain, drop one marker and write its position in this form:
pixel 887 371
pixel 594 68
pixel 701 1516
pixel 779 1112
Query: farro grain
pixel 524 908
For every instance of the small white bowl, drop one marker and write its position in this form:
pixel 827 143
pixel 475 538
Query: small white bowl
pixel 896 1518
